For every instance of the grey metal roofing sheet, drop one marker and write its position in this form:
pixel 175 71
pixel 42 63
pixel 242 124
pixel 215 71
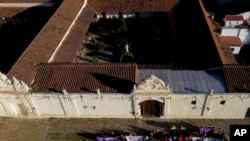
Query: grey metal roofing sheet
pixel 186 81
pixel 181 81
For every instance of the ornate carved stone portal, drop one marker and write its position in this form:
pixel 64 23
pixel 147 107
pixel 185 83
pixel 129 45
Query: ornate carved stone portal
pixel 12 84
pixel 152 84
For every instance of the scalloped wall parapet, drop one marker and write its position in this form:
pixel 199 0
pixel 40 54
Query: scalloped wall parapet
pixel 12 84
pixel 152 84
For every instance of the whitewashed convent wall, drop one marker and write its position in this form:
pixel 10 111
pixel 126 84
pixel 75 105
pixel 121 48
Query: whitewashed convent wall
pixel 86 105
pixel 122 105
pixel 72 105
pixel 209 106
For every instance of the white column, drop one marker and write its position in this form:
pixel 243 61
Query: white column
pixel 75 105
pixel 207 105
pixel 9 111
pixel 136 107
pixel 33 106
pixel 166 106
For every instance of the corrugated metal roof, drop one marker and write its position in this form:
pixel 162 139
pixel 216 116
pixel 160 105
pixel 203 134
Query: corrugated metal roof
pixel 187 81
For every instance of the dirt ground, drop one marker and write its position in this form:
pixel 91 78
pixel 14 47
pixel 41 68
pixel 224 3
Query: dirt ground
pixel 23 129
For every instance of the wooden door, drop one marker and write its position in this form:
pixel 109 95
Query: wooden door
pixel 151 108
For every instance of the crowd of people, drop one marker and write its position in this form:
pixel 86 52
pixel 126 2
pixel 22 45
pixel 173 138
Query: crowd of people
pixel 174 134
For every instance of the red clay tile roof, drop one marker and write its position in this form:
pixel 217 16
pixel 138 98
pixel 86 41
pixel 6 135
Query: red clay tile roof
pixel 86 77
pixel 227 52
pixel 72 44
pixel 24 1
pixel 11 11
pixel 234 18
pixel 231 40
pixel 132 5
pixel 237 78
pixel 45 43
pixel 223 48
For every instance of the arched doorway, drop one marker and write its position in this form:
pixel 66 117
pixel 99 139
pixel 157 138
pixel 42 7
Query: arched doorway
pixel 151 108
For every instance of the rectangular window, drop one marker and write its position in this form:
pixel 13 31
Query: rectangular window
pixel 193 102
pixel 222 102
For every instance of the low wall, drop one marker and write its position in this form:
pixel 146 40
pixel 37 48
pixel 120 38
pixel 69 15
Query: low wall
pixel 225 106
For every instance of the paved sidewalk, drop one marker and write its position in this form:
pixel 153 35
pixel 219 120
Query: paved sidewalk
pixel 20 129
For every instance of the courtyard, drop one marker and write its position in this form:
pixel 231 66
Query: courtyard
pixel 165 39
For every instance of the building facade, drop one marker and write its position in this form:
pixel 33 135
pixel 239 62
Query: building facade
pixel 152 98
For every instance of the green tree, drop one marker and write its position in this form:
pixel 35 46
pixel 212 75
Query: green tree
pixel 101 45
pixel 95 59
pixel 2 22
pixel 111 26
pixel 34 88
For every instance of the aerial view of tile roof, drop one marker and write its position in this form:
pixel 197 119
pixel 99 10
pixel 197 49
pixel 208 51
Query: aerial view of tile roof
pixel 231 40
pixel 11 11
pixel 234 18
pixel 237 78
pixel 132 5
pixel 61 37
pixel 223 48
pixel 121 77
pixel 24 1
pixel 45 43
pixel 86 78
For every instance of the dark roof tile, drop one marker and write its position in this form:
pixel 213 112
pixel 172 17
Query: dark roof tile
pixel 132 5
pixel 45 43
pixel 232 40
pixel 234 18
pixel 86 78
pixel 11 11
pixel 72 44
pixel 24 1
pixel 237 78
